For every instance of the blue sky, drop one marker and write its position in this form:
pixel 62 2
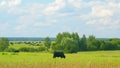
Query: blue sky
pixel 41 18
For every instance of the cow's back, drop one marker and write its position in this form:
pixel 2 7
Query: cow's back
pixel 58 54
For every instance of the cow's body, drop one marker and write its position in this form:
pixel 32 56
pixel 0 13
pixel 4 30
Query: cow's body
pixel 58 54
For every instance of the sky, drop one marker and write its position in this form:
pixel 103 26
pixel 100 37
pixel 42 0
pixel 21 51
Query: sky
pixel 42 18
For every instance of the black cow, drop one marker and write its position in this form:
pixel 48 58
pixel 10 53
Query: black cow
pixel 58 54
pixel 16 51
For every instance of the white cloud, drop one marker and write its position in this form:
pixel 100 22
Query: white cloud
pixel 42 24
pixel 101 11
pixel 4 26
pixel 27 19
pixel 29 9
pixel 100 21
pixel 2 3
pixel 101 14
pixel 10 3
pixel 20 27
pixel 13 2
pixel 30 16
pixel 47 23
pixel 104 16
pixel 54 7
pixel 80 4
pixel 91 22
pixel 76 3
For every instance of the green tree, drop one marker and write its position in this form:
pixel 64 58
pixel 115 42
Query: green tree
pixel 109 46
pixel 4 43
pixel 58 38
pixel 76 38
pixel 102 45
pixel 66 42
pixel 83 43
pixel 47 42
pixel 66 35
pixel 69 45
pixel 93 43
pixel 116 43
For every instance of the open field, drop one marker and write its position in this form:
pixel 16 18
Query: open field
pixel 97 59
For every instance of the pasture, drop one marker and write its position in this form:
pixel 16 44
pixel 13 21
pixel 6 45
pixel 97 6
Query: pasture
pixel 93 59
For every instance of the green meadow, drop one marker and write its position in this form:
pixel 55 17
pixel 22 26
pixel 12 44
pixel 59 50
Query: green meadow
pixel 92 59
pixel 84 53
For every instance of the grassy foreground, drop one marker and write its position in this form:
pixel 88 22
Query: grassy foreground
pixel 97 59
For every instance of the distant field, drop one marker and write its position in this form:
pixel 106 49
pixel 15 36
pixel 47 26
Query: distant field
pixel 97 59
pixel 39 39
pixel 17 46
pixel 27 39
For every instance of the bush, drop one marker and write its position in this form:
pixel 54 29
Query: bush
pixel 31 49
pixel 10 50
pixel 24 49
pixel 41 48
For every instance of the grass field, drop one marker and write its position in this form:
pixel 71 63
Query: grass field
pixel 97 59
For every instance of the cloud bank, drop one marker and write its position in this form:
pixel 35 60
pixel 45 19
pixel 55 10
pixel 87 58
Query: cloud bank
pixel 85 16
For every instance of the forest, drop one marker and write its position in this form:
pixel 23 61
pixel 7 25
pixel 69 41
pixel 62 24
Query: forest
pixel 65 42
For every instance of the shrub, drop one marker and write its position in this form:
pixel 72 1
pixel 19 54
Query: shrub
pixel 31 49
pixel 10 50
pixel 41 48
pixel 24 49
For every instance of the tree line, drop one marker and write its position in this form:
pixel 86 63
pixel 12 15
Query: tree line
pixel 69 43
